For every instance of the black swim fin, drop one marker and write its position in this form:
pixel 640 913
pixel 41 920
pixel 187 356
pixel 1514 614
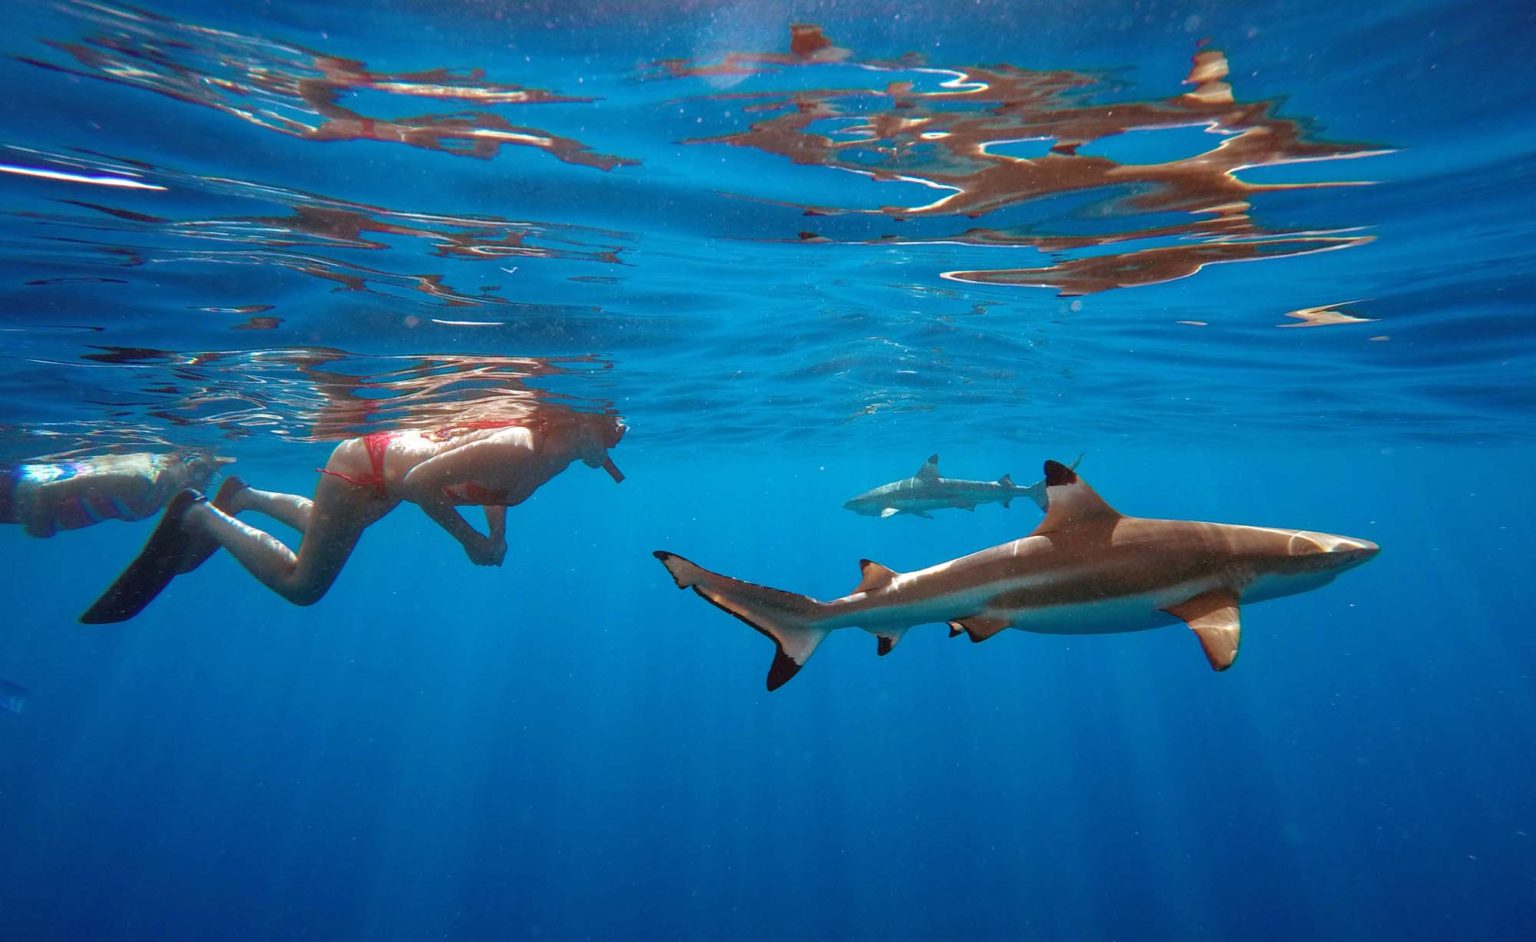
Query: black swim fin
pixel 151 571
pixel 199 548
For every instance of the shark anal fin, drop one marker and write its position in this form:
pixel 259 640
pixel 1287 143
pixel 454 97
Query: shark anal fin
pixel 980 627
pixel 1214 618
pixel 887 641
pixel 873 576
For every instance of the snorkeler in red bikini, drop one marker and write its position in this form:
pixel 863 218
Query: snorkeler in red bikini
pixel 494 465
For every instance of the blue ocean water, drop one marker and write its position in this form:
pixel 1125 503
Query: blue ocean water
pixel 1259 263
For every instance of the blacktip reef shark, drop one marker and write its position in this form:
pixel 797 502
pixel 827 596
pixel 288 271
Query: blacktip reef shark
pixel 13 696
pixel 925 491
pixel 1086 569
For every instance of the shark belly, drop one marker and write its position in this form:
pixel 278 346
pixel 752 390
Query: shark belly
pixel 1028 587
pixel 1110 616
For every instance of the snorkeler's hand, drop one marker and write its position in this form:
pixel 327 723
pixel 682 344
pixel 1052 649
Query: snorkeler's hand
pixel 486 552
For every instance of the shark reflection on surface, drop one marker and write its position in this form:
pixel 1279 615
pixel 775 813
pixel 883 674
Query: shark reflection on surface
pixel 946 143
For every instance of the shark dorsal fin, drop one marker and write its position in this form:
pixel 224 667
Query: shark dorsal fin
pixel 930 469
pixel 873 576
pixel 1069 501
pixel 1006 480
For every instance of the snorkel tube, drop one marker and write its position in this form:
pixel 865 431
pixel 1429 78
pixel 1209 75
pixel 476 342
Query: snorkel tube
pixel 613 470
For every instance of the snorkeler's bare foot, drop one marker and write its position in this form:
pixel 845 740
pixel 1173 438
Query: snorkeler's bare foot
pixel 201 546
pixel 152 570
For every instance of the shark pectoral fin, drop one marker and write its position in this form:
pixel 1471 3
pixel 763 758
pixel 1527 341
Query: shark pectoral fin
pixel 1214 618
pixel 930 469
pixel 888 639
pixel 889 512
pixel 981 627
pixel 873 576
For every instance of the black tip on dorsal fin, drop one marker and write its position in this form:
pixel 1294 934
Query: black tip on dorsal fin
pixel 1069 501
pixel 1057 474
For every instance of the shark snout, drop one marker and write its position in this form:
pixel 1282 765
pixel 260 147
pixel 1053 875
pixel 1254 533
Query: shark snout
pixel 1331 551
pixel 1355 550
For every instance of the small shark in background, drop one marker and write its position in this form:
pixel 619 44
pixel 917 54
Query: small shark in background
pixel 925 491
pixel 1086 569
pixel 13 696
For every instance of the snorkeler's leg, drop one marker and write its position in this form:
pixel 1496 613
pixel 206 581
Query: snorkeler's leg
pixel 236 497
pixel 284 508
pixel 200 547
pixel 336 521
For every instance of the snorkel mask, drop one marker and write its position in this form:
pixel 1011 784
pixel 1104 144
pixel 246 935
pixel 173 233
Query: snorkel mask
pixel 610 439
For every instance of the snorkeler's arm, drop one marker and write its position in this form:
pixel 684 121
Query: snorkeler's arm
pixel 496 522
pixel 480 459
pixel 482 550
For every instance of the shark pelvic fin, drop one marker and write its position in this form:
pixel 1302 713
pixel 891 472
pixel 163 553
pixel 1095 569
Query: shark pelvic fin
pixel 1214 618
pixel 785 617
pixel 1069 500
pixel 956 629
pixel 980 627
pixel 873 576
pixel 930 469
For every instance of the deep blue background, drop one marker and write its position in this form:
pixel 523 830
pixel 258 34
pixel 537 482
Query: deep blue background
pixel 569 747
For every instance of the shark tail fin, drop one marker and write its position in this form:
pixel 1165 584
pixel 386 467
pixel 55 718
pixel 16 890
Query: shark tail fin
pixel 787 618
